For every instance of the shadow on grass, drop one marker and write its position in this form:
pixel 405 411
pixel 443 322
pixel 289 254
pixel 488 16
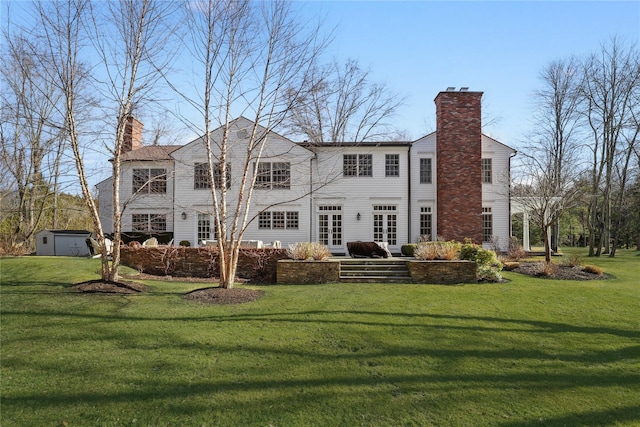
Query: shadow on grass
pixel 268 388
pixel 615 416
pixel 324 317
pixel 334 389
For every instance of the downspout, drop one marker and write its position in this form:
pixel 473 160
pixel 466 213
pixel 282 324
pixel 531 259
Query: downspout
pixel 509 192
pixel 409 192
pixel 173 204
pixel 311 216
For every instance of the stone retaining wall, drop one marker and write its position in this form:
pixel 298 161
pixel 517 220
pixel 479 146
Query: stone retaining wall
pixel 442 272
pixel 308 272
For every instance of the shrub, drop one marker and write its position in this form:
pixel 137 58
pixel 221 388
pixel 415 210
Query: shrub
pixel 593 269
pixel 510 265
pixel 489 266
pixel 308 250
pixel 408 249
pixel 516 251
pixel 185 243
pixel 572 260
pixel 469 251
pixel 437 250
pixel 547 269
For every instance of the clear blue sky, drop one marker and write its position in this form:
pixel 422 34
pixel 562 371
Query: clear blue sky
pixel 419 48
pixel 498 47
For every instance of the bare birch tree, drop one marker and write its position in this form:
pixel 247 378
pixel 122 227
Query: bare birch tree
pixel 61 27
pixel 133 40
pixel 551 160
pixel 340 103
pixel 250 52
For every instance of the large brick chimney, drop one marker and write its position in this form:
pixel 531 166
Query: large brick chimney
pixel 459 165
pixel 132 134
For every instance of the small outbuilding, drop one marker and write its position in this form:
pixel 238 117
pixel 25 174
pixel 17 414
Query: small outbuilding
pixel 62 243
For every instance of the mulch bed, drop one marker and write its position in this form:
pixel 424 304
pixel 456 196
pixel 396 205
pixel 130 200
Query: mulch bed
pixel 561 272
pixel 210 295
pixel 224 296
pixel 105 287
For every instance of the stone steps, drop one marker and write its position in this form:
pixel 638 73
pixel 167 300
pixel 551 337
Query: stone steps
pixel 364 270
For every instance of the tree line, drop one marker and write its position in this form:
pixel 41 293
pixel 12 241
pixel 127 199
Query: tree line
pixel 581 161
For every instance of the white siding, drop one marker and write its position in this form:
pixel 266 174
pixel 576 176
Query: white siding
pixel 423 194
pixel 496 194
pixel 161 203
pixel 359 194
pixel 105 204
pixel 316 179
pixel 277 149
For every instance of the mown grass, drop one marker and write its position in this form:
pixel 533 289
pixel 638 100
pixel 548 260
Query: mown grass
pixel 528 352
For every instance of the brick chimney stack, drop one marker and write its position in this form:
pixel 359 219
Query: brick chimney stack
pixel 132 134
pixel 459 164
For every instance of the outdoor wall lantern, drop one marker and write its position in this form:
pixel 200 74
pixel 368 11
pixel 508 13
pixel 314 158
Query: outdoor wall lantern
pixel 358 216
pixel 184 215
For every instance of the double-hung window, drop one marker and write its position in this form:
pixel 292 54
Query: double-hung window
pixel 357 165
pixel 426 171
pixel 487 170
pixel 149 181
pixel 148 222
pixel 201 176
pixel 274 175
pixel 392 165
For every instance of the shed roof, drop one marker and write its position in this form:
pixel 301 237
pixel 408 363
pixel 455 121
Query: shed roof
pixel 66 231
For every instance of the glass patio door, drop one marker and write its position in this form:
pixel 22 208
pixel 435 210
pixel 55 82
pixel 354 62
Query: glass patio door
pixel 385 224
pixel 330 226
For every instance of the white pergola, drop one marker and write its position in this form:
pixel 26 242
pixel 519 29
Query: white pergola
pixel 518 206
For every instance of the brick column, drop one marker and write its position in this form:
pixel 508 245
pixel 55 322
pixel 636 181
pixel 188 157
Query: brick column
pixel 459 165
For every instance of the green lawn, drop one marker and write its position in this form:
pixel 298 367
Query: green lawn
pixel 528 352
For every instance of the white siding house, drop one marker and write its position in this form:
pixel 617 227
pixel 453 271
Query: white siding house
pixel 280 202
pixel 333 193
pixel 361 194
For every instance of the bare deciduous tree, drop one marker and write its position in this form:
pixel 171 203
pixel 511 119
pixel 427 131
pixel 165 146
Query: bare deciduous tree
pixel 31 143
pixel 338 103
pixel 551 160
pixel 609 92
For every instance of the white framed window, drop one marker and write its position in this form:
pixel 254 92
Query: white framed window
pixel 201 176
pixel 391 165
pixel 426 171
pixel 357 165
pixel 273 175
pixel 148 222
pixel 278 220
pixel 426 223
pixel 149 181
pixel 205 227
pixel 487 171
pixel 487 225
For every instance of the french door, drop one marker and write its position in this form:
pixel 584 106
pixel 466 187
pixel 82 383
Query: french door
pixel 385 224
pixel 330 226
